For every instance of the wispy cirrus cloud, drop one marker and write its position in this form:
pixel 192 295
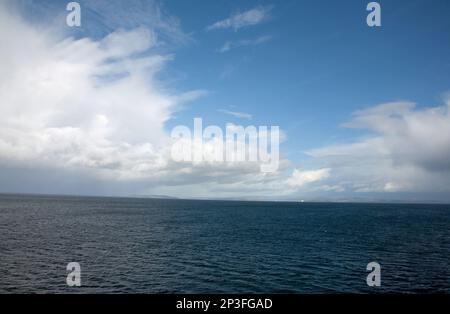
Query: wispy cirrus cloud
pixel 243 19
pixel 132 14
pixel 236 114
pixel 242 43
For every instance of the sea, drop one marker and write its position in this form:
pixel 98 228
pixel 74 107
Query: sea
pixel 139 245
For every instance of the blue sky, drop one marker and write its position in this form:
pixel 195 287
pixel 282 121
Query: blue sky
pixel 322 63
pixel 306 66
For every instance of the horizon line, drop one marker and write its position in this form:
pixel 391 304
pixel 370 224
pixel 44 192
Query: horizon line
pixel 174 198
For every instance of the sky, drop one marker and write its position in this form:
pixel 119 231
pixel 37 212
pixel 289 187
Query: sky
pixel 363 111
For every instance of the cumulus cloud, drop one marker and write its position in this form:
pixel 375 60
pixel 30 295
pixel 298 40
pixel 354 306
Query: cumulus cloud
pixel 94 109
pixel 243 19
pixel 82 102
pixel 408 150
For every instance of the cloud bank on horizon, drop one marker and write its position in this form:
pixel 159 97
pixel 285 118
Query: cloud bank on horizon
pixel 89 115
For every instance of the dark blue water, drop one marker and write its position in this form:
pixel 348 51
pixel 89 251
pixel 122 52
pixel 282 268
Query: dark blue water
pixel 161 246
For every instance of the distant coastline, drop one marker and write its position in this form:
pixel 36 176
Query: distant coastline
pixel 250 200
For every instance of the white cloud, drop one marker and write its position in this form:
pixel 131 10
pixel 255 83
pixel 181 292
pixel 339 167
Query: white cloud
pixel 122 44
pixel 94 109
pixel 247 18
pixel 392 187
pixel 83 103
pixel 408 151
pixel 242 43
pixel 300 178
pixel 236 114
pixel 107 16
